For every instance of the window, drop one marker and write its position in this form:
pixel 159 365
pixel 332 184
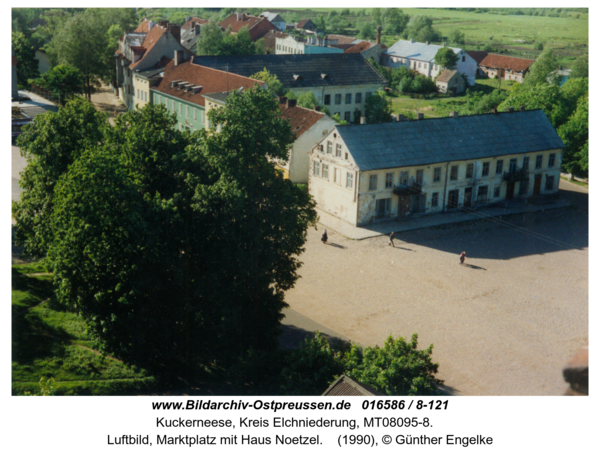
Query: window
pixel 419 177
pixel 327 99
pixel 512 165
pixel 437 174
pixel 325 171
pixel 346 155
pixel 166 102
pixel 526 163
pixel 497 191
pixel 463 58
pixel 538 162
pixel 329 147
pixel 499 165
pixel 454 173
pixel 486 169
pixel 195 113
pixel 549 183
pixel 347 115
pixel 389 180
pixel 523 187
pixel 348 180
pixel 348 98
pixel 452 199
pixel 357 115
pixel 373 182
pixel 482 194
pixel 338 150
pixel 419 64
pixel 316 168
pixel 469 173
pixel 336 176
pixel 358 98
pixel 404 178
pixel 187 112
pixel 338 99
pixel 434 199
pixel 138 92
pixel 383 207
pixel 179 108
pixel 551 160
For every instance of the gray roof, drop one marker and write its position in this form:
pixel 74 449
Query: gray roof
pixel 428 141
pixel 416 51
pixel 272 17
pixel 341 69
pixel 446 75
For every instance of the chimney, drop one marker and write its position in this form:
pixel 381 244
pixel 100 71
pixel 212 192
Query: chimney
pixel 378 40
pixel 197 29
pixel 290 103
pixel 188 18
pixel 426 42
pixel 412 41
pixel 363 120
pixel 494 111
pixel 244 17
pixel 420 116
pixel 522 108
pixel 163 23
pixel 238 16
pixel 453 113
pixel 318 108
pixel 178 58
pixel 511 109
pixel 282 99
pixel 175 31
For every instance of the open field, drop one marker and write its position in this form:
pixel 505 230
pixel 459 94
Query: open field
pixel 503 324
pixel 53 343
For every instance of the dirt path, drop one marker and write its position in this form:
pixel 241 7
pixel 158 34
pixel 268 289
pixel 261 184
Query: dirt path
pixel 503 324
pixel 106 101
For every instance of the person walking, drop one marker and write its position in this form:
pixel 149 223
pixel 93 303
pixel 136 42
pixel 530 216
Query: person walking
pixel 462 257
pixel 392 237
pixel 324 237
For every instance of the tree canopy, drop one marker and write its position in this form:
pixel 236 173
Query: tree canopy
pixel 27 64
pixel 215 41
pixel 271 80
pixel 543 70
pixel 62 79
pixel 378 108
pixel 446 58
pixel 420 28
pixel 176 247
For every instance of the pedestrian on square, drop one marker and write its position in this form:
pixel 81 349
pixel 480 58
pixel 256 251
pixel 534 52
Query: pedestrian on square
pixel 392 237
pixel 462 257
pixel 324 237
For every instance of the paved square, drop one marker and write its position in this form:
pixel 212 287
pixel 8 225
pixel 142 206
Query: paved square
pixel 505 323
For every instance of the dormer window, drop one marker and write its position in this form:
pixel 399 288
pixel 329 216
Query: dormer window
pixel 297 77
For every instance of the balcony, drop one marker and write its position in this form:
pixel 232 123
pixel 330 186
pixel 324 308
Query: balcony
pixel 412 187
pixel 518 175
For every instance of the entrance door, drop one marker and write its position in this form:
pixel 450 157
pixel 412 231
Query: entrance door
pixel 403 205
pixel 510 190
pixel 537 183
pixel 468 193
pixel 453 199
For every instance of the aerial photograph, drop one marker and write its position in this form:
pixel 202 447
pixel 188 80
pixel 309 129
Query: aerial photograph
pixel 299 202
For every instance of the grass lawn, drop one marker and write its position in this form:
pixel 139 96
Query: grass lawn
pixel 583 184
pixel 48 342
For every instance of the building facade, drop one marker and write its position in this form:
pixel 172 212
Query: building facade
pixel 296 45
pixel 364 174
pixel 275 19
pixel 504 67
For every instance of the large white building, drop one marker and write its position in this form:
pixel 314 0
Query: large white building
pixel 368 173
pixel 420 57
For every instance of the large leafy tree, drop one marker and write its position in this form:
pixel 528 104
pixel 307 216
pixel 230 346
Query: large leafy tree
pixel 27 64
pixel 395 21
pixel 178 247
pixel 420 28
pixel 580 67
pixel 64 80
pixel 378 108
pixel 574 134
pixel 51 144
pixel 271 80
pixel 216 41
pixel 543 70
pixel 446 58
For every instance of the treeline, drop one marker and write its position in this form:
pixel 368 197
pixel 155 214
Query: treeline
pixel 549 12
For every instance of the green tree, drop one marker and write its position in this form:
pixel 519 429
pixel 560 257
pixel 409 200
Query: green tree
pixel 398 369
pixel 420 28
pixel 378 108
pixel 50 147
pixel 64 80
pixel 574 134
pixel 27 64
pixel 446 58
pixel 543 70
pixel 271 80
pixel 377 15
pixel 580 67
pixel 457 37
pixel 321 23
pixel 215 41
pixel 367 31
pixel 395 21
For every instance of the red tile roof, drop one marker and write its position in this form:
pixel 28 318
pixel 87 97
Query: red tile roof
pixel 478 56
pixel 360 47
pixel 257 26
pixel 505 62
pixel 301 119
pixel 211 81
pixel 149 41
pixel 144 26
pixel 197 20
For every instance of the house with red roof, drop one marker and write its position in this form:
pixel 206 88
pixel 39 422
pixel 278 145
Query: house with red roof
pixel 143 49
pixel 257 26
pixel 504 67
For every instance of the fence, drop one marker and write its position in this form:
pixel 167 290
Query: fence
pixel 54 97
